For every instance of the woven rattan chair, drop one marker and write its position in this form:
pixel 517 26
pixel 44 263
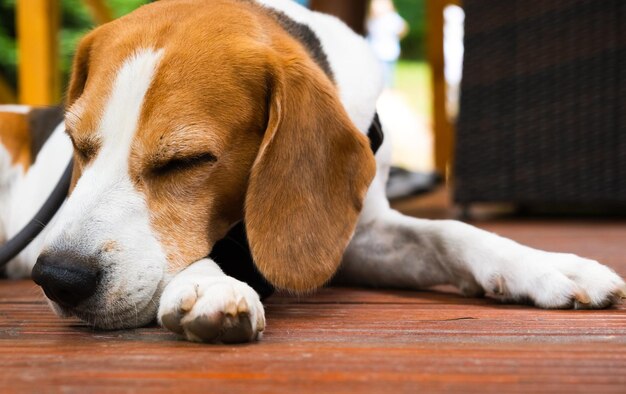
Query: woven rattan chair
pixel 543 106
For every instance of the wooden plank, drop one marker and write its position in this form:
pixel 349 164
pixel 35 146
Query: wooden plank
pixel 99 10
pixel 340 340
pixel 344 340
pixel 38 70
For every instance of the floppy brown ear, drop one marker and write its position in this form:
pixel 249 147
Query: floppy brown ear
pixel 308 182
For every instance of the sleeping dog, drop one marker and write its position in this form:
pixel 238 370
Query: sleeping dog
pixel 189 118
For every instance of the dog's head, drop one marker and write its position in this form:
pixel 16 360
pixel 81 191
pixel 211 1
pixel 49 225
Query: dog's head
pixel 187 117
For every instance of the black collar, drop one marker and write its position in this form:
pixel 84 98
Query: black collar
pixel 375 134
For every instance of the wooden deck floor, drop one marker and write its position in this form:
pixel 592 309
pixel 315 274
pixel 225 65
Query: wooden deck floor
pixel 345 340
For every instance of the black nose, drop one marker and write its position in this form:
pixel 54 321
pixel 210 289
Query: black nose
pixel 67 280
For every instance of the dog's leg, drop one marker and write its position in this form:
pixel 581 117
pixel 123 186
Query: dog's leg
pixel 394 250
pixel 205 305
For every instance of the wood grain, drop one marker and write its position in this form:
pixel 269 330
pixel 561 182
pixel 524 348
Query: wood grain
pixel 343 340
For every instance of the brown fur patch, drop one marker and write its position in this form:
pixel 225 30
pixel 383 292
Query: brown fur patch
pixel 231 81
pixel 110 246
pixel 15 136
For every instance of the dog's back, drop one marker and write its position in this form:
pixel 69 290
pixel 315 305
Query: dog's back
pixel 33 153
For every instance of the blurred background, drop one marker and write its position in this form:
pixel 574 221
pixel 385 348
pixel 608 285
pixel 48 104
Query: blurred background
pixel 518 102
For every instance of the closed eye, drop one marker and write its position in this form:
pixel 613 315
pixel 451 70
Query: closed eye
pixel 183 163
pixel 86 149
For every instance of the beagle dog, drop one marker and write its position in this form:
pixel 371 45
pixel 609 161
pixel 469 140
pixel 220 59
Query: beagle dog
pixel 189 118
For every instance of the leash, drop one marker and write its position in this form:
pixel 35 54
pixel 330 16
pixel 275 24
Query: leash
pixel 32 229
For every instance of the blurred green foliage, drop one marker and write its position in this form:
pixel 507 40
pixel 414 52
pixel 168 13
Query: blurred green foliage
pixel 75 22
pixel 414 12
pixel 8 53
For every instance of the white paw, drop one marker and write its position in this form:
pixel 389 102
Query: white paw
pixel 217 309
pixel 558 280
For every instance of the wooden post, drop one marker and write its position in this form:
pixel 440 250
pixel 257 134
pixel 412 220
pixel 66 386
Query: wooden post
pixel 39 81
pixel 443 128
pixel 443 131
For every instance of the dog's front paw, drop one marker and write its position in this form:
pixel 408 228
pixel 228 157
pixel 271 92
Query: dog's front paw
pixel 217 309
pixel 558 280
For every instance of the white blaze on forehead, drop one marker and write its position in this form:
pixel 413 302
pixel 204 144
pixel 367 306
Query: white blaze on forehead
pixel 104 195
pixel 105 191
pixel 105 207
pixel 123 109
